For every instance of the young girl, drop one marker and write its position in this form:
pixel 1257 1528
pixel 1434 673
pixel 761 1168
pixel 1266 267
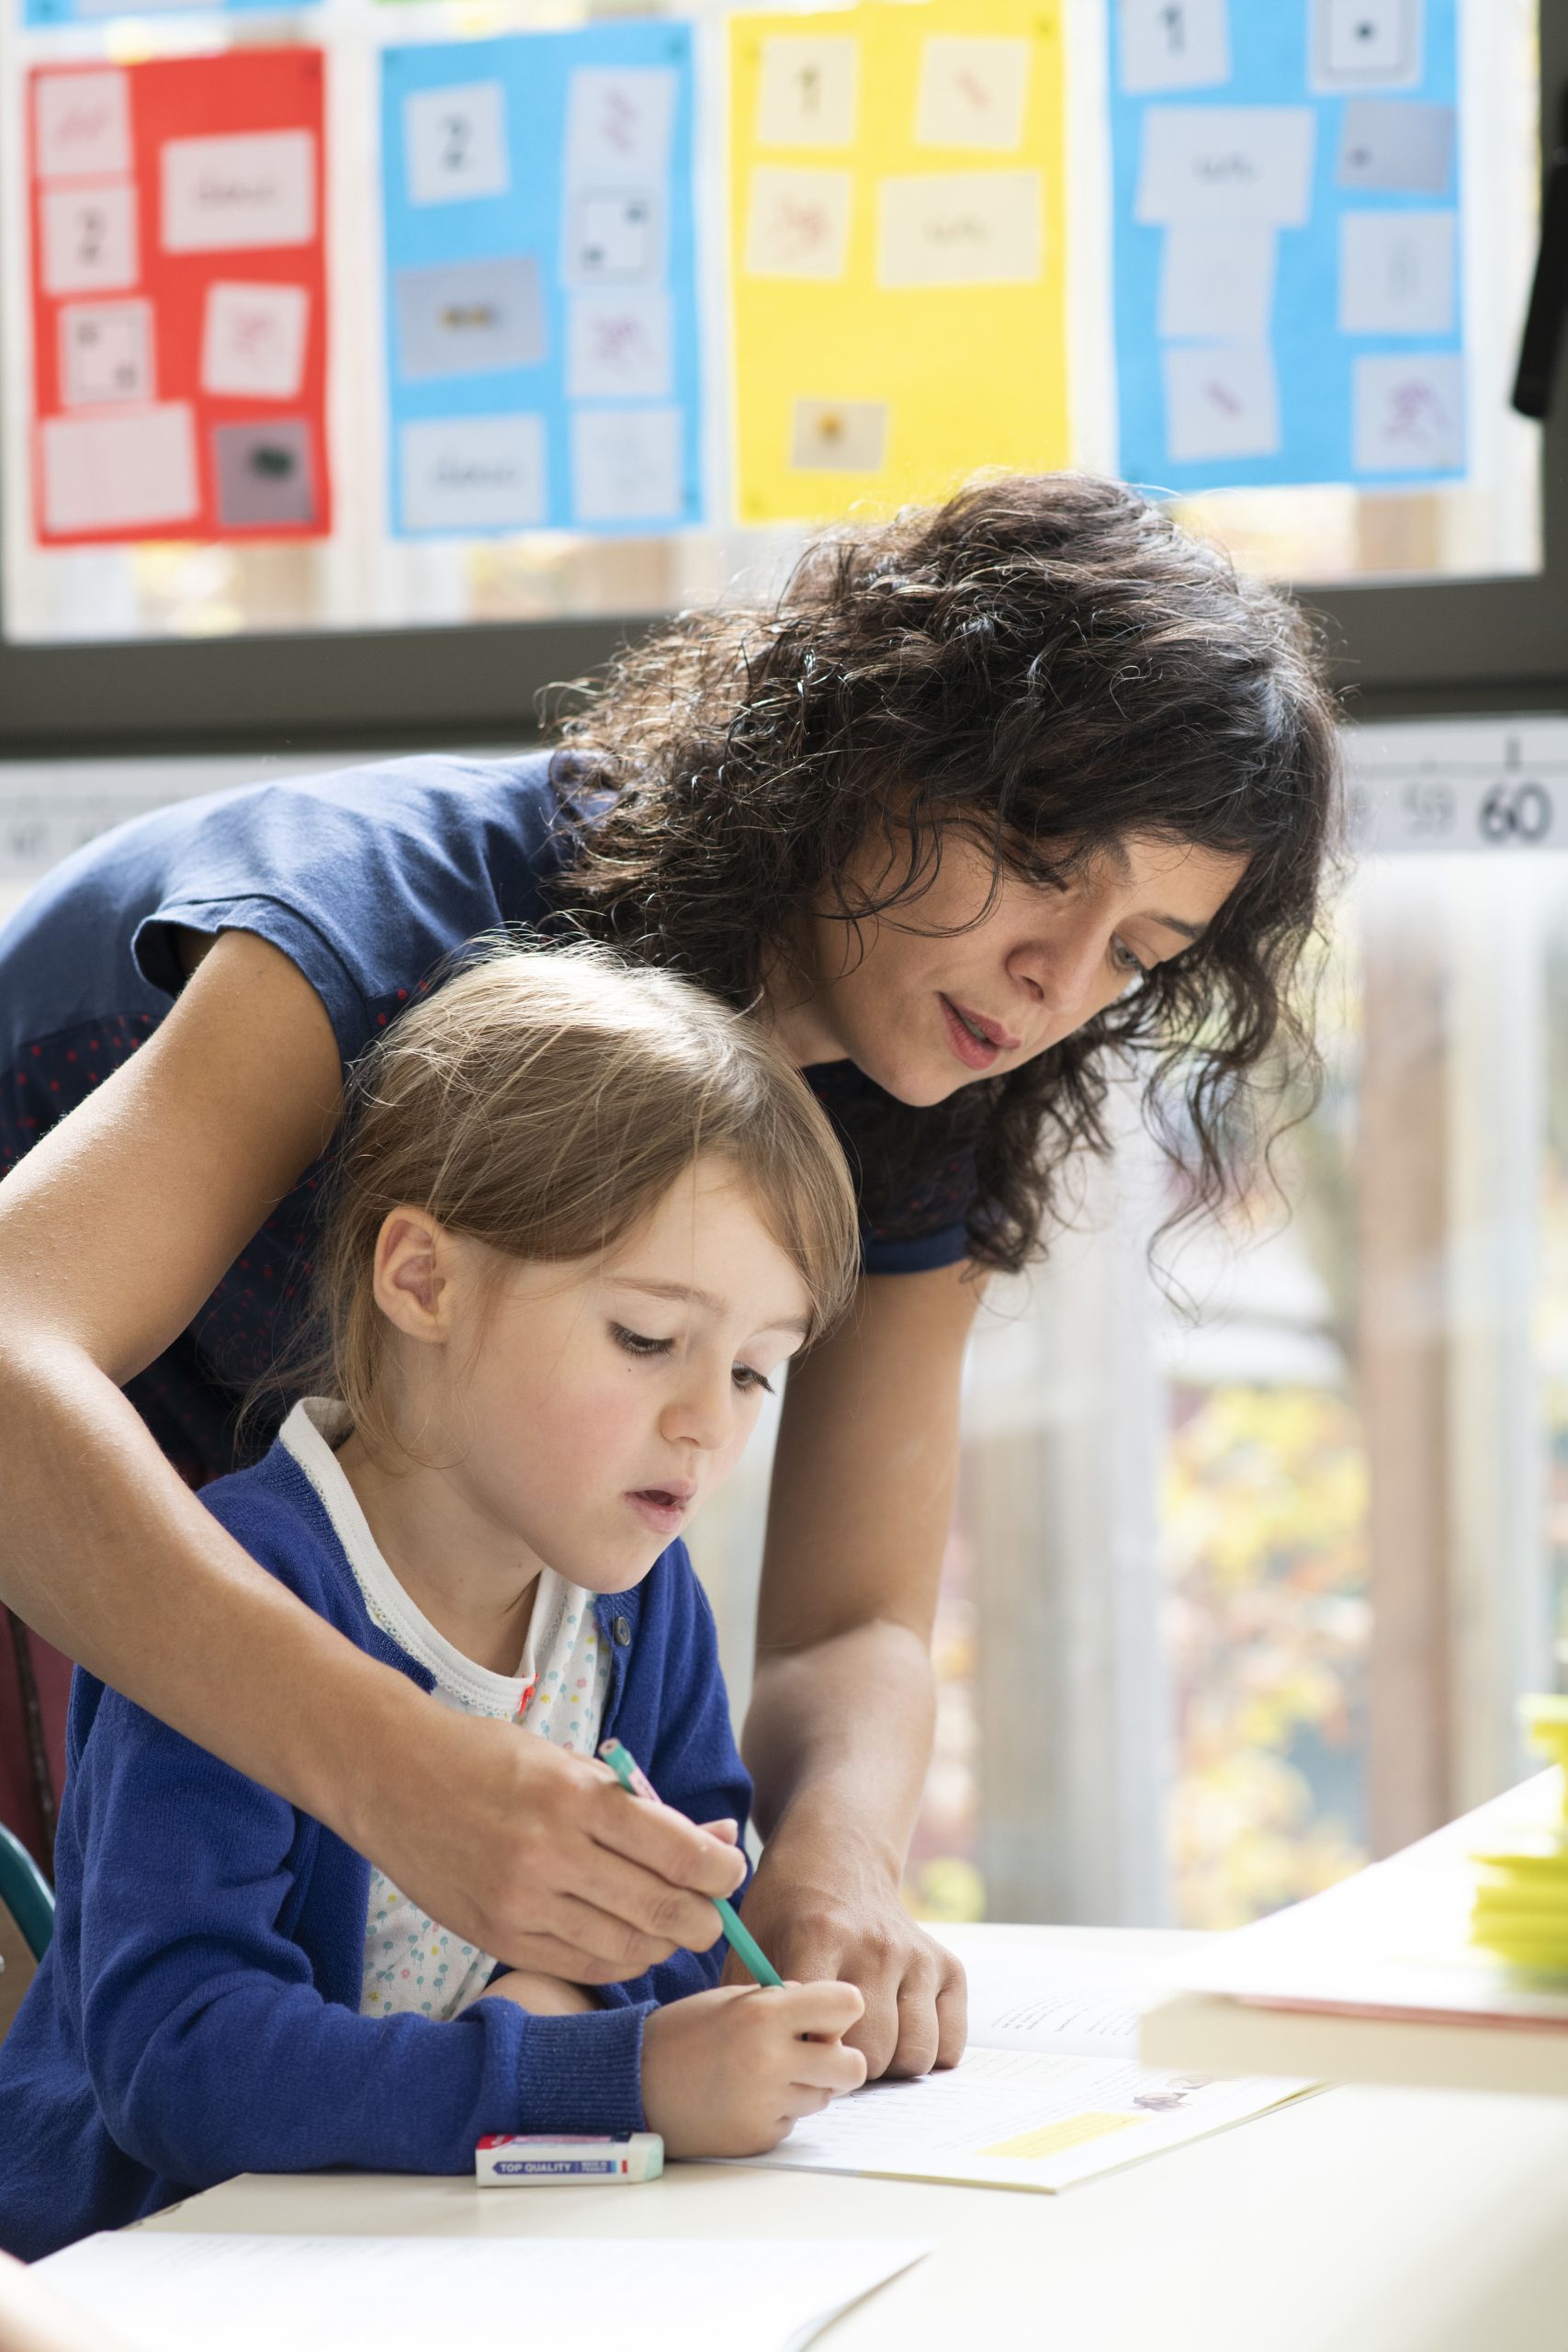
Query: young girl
pixel 581 1219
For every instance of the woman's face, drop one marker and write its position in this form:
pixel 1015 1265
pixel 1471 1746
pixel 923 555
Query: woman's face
pixel 924 1003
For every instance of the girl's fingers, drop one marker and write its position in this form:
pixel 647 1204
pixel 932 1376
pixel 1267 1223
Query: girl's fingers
pixel 820 2008
pixel 825 2066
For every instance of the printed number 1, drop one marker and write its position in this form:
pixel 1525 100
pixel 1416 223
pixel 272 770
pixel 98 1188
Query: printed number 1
pixel 1175 23
pixel 810 89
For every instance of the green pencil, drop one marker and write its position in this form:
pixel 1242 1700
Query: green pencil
pixel 740 1939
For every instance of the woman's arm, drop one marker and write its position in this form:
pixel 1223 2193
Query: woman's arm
pixel 113 1231
pixel 839 1733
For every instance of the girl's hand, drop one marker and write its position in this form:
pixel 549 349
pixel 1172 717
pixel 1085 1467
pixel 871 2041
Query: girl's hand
pixel 726 2074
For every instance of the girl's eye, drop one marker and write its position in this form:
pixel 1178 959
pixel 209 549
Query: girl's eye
pixel 751 1383
pixel 637 1343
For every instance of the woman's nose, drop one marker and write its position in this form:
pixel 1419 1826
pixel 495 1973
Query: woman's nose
pixel 1067 971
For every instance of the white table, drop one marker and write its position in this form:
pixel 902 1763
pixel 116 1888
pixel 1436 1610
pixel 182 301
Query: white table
pixel 1359 2220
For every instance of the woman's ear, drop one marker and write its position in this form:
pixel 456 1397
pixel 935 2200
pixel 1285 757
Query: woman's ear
pixel 414 1275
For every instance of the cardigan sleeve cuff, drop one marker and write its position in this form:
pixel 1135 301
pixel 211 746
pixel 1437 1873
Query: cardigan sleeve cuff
pixel 582 2072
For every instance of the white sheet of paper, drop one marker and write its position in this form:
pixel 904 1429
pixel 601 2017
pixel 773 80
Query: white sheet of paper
pixel 809 92
pixel 1396 273
pixel 1408 413
pixel 82 126
pixel 248 189
pixel 1174 45
pixel 961 229
pixel 1217 280
pixel 1234 164
pixel 1366 45
pixel 974 92
pixel 619 345
pixel 839 436
pixel 1017 2119
pixel 172 2290
pixel 1397 147
pixel 454 144
pixel 627 465
pixel 1222 401
pixel 473 473
pixel 620 120
pixel 798 225
pixel 90 242
pixel 113 473
pixel 106 353
pixel 252 340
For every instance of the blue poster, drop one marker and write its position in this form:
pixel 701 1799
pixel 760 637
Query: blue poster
pixel 542 354
pixel 1289 300
pixel 98 12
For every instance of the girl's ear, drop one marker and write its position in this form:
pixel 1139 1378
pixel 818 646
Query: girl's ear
pixel 412 1276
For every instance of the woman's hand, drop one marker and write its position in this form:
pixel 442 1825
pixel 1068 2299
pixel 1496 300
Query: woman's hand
pixel 836 1914
pixel 727 2074
pixel 541 1858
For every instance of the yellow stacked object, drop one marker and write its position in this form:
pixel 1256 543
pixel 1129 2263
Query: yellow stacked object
pixel 1521 1898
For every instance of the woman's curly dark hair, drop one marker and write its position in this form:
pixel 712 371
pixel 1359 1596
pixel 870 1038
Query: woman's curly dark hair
pixel 1052 663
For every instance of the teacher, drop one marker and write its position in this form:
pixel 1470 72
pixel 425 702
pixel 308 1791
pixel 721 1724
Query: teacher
pixel 991 799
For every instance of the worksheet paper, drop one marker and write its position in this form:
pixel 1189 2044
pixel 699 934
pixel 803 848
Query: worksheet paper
pixel 1287 248
pixel 173 2290
pixel 179 299
pixel 1048 2093
pixel 542 341
pixel 898 250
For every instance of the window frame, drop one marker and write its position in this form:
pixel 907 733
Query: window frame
pixel 1423 647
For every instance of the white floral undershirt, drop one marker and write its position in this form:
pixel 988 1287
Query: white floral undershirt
pixel 559 1691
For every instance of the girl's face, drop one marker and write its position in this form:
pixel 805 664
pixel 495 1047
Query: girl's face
pixel 582 1413
pixel 925 1004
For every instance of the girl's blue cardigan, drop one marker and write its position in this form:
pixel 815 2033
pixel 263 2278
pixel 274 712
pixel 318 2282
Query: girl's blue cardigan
pixel 197 2013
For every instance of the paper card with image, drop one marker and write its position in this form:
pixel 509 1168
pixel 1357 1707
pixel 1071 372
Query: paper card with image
pixel 1174 44
pixel 540 250
pixel 1275 235
pixel 179 280
pixel 974 92
pixel 809 90
pixel 44 14
pixel 898 194
pixel 1367 44
pixel 106 353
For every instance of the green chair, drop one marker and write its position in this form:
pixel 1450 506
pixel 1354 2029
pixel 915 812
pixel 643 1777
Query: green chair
pixel 25 1893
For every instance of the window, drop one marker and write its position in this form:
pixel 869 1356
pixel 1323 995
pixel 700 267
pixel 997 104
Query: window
pixel 207 643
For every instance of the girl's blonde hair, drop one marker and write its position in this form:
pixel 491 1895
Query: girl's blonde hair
pixel 543 1101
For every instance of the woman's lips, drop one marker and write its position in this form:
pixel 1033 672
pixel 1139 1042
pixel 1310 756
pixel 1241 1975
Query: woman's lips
pixel 974 1053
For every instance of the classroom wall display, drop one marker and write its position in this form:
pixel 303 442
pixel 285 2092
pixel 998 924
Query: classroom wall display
pixel 97 12
pixel 542 355
pixel 899 256
pixel 179 299
pixel 1287 298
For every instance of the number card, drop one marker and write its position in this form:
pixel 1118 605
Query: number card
pixel 1287 250
pixel 44 13
pixel 542 352
pixel 179 299
pixel 898 299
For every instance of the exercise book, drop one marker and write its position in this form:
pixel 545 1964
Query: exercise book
pixel 1049 2092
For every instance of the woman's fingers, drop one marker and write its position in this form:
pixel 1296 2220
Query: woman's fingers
pixel 664 1842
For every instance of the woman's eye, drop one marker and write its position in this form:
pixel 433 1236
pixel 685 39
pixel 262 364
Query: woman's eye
pixel 1126 961
pixel 638 1343
pixel 752 1382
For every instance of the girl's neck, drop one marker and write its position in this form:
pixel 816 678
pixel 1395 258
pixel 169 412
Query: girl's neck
pixel 474 1584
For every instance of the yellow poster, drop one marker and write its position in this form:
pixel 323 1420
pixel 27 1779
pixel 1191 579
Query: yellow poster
pixel 897 252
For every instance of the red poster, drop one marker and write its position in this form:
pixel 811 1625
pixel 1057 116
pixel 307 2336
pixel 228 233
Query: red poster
pixel 179 300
